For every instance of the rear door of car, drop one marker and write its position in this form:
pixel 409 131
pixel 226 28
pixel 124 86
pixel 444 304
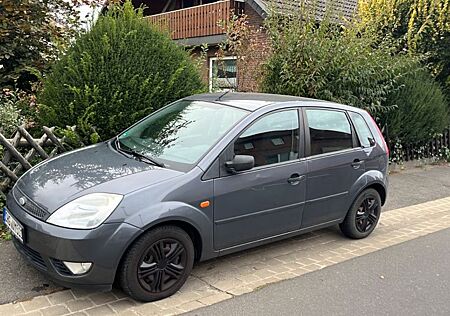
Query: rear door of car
pixel 335 160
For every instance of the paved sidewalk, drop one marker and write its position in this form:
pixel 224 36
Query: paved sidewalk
pixel 236 274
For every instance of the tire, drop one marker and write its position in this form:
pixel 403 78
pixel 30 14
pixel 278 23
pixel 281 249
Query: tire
pixel 363 216
pixel 157 264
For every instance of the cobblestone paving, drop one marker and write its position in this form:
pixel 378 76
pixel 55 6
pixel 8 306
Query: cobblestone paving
pixel 244 272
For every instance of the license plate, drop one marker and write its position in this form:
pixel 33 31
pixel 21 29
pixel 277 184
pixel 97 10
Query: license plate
pixel 14 226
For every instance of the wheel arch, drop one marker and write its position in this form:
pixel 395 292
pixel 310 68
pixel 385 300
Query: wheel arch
pixel 371 179
pixel 380 189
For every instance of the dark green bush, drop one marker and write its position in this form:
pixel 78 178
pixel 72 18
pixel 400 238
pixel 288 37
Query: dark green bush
pixel 422 110
pixel 118 72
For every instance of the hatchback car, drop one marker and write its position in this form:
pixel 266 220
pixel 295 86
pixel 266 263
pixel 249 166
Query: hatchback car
pixel 205 176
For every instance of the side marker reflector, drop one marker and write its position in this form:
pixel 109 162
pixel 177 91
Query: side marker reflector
pixel 204 204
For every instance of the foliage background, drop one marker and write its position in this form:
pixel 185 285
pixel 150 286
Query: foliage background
pixel 331 62
pixel 32 33
pixel 112 76
pixel 421 112
pixel 418 27
pixel 375 62
pixel 10 116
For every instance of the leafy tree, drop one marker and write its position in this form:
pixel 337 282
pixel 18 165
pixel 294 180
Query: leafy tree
pixel 120 71
pixel 350 64
pixel 31 32
pixel 419 27
pixel 330 61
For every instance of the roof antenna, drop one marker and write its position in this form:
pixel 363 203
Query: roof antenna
pixel 223 94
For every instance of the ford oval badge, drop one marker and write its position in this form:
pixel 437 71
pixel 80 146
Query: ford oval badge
pixel 22 201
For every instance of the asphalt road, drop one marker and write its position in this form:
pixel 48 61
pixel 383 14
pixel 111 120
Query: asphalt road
pixel 412 278
pixel 19 281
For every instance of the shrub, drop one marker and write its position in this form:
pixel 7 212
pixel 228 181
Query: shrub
pixel 10 116
pixel 418 27
pixel 119 72
pixel 422 110
pixel 331 62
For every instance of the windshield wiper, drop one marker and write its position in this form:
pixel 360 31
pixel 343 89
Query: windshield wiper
pixel 139 156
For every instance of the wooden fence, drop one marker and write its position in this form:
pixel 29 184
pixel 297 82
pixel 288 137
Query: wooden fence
pixel 428 149
pixel 22 151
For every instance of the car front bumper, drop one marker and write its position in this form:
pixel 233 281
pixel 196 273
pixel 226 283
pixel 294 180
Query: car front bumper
pixel 46 247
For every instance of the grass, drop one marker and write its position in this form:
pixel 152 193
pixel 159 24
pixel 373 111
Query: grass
pixel 4 233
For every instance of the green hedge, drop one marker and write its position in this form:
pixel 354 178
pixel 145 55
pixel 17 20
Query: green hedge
pixel 344 64
pixel 422 110
pixel 115 74
pixel 330 62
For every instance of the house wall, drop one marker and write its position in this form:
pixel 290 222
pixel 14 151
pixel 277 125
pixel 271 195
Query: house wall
pixel 248 65
pixel 212 51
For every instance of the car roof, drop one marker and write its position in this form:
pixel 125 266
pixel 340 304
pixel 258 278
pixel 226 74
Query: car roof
pixel 254 101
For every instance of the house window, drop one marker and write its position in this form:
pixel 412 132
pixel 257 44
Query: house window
pixel 222 73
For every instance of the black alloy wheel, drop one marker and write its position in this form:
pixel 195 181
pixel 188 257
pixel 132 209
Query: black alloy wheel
pixel 363 216
pixel 162 265
pixel 157 264
pixel 367 214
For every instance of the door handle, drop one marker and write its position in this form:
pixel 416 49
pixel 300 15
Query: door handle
pixel 357 163
pixel 295 179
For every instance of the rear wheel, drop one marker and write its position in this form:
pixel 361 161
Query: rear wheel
pixel 363 216
pixel 157 264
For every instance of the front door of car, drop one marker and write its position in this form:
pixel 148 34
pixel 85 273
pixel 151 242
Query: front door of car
pixel 335 162
pixel 268 199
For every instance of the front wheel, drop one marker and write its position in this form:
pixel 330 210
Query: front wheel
pixel 157 264
pixel 363 216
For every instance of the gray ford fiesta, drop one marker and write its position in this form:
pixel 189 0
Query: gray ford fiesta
pixel 202 177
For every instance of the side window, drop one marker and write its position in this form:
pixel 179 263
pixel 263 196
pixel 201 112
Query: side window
pixel 362 129
pixel 271 139
pixel 329 131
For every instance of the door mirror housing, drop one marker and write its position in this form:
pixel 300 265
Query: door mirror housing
pixel 240 163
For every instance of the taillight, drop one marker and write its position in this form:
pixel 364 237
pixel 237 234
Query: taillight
pixel 381 135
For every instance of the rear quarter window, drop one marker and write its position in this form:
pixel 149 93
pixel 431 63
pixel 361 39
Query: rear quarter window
pixel 362 130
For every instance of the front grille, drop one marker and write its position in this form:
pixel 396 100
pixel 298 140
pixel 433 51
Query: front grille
pixel 35 210
pixel 30 207
pixel 32 255
pixel 61 267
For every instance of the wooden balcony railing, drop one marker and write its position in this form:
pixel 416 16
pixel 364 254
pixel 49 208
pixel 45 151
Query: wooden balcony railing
pixel 202 20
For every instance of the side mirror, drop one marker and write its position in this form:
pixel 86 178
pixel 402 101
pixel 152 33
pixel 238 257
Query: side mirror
pixel 371 141
pixel 240 163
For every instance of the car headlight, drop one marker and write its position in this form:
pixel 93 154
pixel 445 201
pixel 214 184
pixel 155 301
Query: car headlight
pixel 86 212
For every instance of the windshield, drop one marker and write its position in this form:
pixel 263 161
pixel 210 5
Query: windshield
pixel 180 134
